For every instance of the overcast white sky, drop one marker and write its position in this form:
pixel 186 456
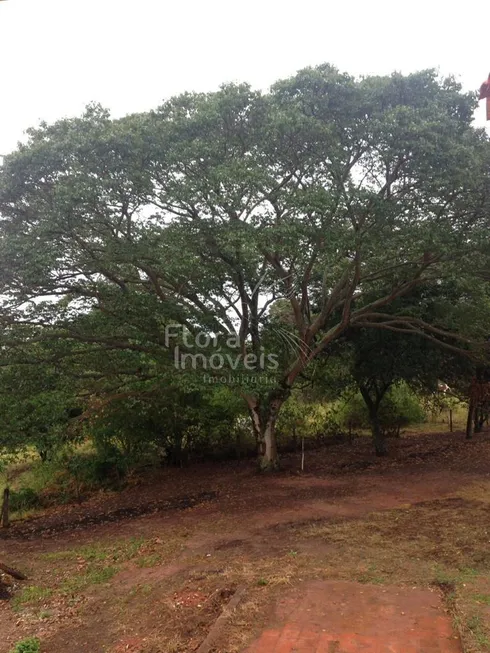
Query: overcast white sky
pixel 58 55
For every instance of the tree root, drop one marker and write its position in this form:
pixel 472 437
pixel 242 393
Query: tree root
pixel 12 572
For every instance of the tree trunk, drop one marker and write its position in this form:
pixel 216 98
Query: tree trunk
pixel 479 420
pixel 264 417
pixel 265 436
pixel 378 436
pixel 5 508
pixel 470 422
pixel 379 440
pixel 268 456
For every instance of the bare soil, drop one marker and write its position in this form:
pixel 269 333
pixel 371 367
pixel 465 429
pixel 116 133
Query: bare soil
pixel 150 569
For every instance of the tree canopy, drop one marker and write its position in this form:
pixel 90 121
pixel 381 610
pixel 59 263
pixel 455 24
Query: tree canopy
pixel 330 196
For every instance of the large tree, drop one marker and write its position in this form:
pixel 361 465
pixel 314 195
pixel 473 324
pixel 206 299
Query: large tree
pixel 336 194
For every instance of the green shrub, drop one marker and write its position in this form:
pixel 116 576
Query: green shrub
pixel 105 466
pixel 24 499
pixel 67 476
pixel 400 407
pixel 90 470
pixel 302 418
pixel 353 412
pixel 28 645
pixel 174 427
pixel 40 475
pixel 332 428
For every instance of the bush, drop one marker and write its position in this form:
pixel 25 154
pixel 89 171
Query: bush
pixel 173 426
pixel 318 423
pixel 68 476
pixel 29 645
pixel 353 412
pixel 106 467
pixel 332 429
pixel 24 499
pixel 400 407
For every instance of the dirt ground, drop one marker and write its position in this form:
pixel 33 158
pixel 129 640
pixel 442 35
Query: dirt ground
pixel 349 617
pixel 150 569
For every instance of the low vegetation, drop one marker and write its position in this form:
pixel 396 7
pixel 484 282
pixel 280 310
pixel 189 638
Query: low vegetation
pixel 29 645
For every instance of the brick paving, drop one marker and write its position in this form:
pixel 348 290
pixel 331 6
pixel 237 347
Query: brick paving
pixel 347 617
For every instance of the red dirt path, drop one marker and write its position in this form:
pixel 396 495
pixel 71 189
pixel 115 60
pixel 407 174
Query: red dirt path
pixel 347 617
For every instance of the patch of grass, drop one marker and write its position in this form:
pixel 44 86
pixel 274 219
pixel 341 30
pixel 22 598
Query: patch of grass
pixel 148 561
pixel 24 500
pixel 74 570
pixel 173 644
pixel 37 475
pixel 371 575
pixel 89 553
pixel 128 549
pixel 44 614
pixel 476 626
pixel 56 556
pixel 140 590
pixel 440 422
pixel 482 598
pixel 446 578
pixel 471 609
pixel 28 645
pixel 120 552
pixel 92 576
pixel 94 553
pixel 31 594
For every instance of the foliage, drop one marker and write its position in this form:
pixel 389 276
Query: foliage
pixel 333 195
pixel 302 417
pixel 28 645
pixel 36 405
pixel 379 359
pixel 171 425
pixel 68 475
pixel 399 407
pixel 124 436
pixel 23 499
